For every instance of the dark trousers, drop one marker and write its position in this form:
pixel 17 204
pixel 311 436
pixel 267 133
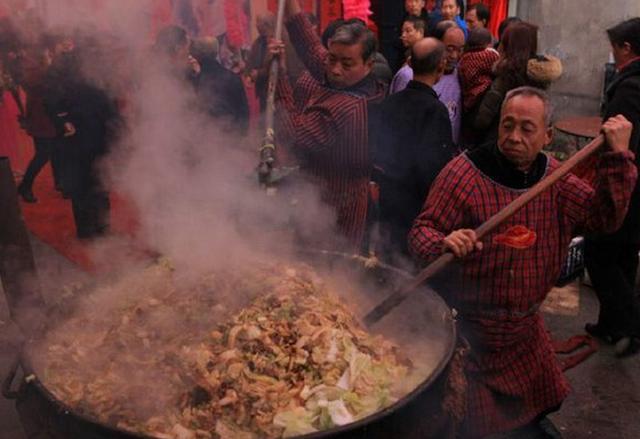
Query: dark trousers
pixel 91 210
pixel 45 150
pixel 612 268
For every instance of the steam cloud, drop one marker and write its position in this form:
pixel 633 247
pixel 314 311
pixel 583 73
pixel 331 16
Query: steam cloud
pixel 191 182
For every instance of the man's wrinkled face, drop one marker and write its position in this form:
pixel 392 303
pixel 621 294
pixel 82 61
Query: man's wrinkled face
pixel 410 35
pixel 472 20
pixel 414 7
pixel 523 133
pixel 453 41
pixel 345 66
pixel 449 10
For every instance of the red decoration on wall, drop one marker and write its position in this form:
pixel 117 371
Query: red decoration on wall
pixel 237 23
pixel 329 10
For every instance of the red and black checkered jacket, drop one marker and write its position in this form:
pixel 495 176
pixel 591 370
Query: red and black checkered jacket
pixel 513 373
pixel 327 129
pixel 475 71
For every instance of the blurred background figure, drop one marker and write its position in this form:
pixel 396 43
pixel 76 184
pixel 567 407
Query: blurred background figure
pixel 413 30
pixel 37 122
pixel 257 66
pixel 477 16
pixel 451 10
pixel 86 119
pixel 221 92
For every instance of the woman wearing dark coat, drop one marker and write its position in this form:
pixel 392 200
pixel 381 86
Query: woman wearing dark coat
pixel 517 66
pixel 612 259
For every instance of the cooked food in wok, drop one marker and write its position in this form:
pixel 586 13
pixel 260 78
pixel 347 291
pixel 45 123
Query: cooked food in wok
pixel 292 360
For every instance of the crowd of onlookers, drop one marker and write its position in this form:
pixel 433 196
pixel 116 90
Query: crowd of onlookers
pixel 73 113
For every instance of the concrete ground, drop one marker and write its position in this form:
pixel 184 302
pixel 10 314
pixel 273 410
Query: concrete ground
pixel 605 402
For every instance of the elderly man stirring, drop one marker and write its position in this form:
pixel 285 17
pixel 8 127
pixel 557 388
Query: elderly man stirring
pixel 514 378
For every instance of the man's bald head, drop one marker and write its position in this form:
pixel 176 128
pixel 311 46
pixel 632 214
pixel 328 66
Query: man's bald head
pixel 453 40
pixel 426 56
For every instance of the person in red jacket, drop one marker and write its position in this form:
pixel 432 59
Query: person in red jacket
pixel 513 375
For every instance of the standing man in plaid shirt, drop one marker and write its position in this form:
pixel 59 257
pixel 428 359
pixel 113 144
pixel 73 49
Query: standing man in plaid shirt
pixel 514 377
pixel 329 132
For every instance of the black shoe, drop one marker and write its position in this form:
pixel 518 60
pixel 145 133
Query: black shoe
pixel 597 331
pixel 27 194
pixel 627 346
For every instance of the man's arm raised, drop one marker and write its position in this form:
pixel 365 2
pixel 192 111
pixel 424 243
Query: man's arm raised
pixel 306 42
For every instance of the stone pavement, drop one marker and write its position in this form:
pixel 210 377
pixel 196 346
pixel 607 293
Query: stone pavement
pixel 605 402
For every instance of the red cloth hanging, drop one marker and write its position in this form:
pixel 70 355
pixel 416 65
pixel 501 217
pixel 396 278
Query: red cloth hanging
pixel 329 10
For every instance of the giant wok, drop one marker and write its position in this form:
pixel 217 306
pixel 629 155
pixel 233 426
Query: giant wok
pixel 66 390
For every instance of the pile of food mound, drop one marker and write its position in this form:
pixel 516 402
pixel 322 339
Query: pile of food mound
pixel 292 360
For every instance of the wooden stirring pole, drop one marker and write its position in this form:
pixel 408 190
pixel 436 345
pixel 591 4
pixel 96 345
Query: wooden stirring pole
pixel 396 298
pixel 268 148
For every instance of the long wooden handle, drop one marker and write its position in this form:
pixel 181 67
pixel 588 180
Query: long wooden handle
pixel 484 229
pixel 273 70
pixel 267 150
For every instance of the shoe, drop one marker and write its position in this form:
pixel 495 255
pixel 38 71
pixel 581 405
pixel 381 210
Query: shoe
pixel 27 194
pixel 627 346
pixel 597 331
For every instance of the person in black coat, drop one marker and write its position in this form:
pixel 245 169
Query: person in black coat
pixel 87 120
pixel 612 260
pixel 221 92
pixel 414 144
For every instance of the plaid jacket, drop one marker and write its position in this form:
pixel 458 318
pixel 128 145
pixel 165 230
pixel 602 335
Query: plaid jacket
pixel 475 71
pixel 327 129
pixel 513 373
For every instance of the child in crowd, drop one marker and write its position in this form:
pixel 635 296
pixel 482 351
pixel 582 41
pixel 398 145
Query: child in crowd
pixel 476 67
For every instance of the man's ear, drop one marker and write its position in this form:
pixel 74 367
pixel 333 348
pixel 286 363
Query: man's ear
pixel 548 136
pixel 369 63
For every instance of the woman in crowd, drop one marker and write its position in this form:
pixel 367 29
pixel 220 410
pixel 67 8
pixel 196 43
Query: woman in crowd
pixel 517 66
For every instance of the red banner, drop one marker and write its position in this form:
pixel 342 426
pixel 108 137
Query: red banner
pixel 307 5
pixel 329 10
